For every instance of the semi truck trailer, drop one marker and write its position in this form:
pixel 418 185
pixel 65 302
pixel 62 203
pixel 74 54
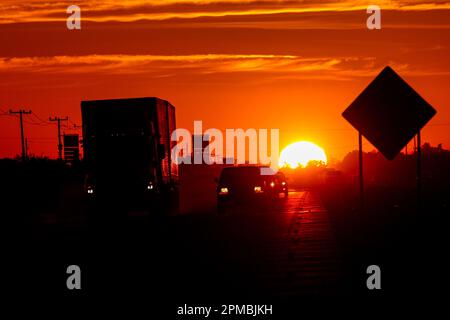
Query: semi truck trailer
pixel 127 153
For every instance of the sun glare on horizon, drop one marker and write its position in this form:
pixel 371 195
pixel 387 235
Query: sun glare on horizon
pixel 299 154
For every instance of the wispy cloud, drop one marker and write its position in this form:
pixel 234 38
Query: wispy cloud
pixel 275 67
pixel 129 64
pixel 12 11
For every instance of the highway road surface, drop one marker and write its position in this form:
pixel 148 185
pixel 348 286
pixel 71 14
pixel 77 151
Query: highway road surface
pixel 284 248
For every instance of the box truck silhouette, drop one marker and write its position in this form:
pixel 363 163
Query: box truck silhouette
pixel 127 153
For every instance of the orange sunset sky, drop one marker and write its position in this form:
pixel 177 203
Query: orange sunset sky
pixel 292 65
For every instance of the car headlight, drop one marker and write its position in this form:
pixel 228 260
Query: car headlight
pixel 272 184
pixel 258 189
pixel 223 191
pixel 90 190
pixel 150 186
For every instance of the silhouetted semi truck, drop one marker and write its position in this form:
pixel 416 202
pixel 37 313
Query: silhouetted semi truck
pixel 127 153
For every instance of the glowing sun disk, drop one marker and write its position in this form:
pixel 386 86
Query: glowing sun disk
pixel 300 154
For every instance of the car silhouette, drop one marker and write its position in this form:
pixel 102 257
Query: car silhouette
pixel 279 184
pixel 246 184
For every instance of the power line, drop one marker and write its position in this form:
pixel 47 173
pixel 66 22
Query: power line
pixel 41 120
pixel 32 122
pixel 4 113
pixel 36 123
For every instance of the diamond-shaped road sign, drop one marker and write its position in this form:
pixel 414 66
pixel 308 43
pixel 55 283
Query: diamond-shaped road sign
pixel 388 113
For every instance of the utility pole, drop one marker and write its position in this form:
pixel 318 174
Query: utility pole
pixel 21 112
pixel 26 148
pixel 60 146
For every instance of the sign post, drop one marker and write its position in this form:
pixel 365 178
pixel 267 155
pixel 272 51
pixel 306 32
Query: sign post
pixel 389 113
pixel 361 174
pixel 419 173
